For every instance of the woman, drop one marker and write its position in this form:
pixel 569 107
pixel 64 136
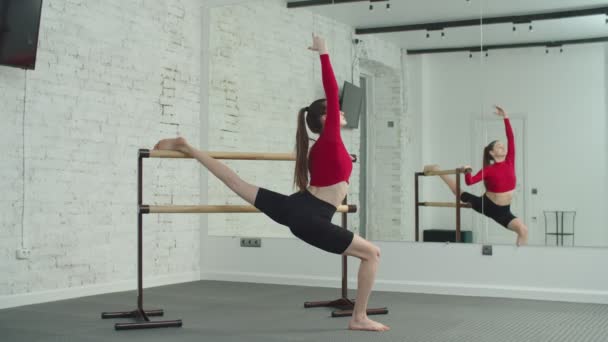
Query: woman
pixel 308 212
pixel 498 174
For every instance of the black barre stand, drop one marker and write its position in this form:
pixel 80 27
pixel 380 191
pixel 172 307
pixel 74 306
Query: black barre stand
pixel 141 316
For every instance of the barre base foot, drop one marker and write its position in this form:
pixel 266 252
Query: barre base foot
pixel 341 303
pixel 131 314
pixel 345 307
pixel 148 325
pixel 142 320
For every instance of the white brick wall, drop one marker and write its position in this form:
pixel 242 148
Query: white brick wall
pixel 261 75
pixel 111 77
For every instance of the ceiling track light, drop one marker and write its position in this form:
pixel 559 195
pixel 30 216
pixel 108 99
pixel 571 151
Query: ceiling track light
pixel 560 46
pixel 371 4
pixel 529 23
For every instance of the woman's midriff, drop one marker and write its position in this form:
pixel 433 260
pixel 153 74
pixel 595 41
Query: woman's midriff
pixel 501 198
pixel 333 194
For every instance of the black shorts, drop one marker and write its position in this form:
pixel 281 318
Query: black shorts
pixel 483 205
pixel 308 218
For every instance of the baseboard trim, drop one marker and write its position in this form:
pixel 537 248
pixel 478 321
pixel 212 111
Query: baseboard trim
pixel 532 293
pixel 550 294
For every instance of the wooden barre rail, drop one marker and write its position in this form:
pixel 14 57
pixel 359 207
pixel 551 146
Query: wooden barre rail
pixel 183 209
pixel 223 155
pixel 444 204
pixel 446 172
pixel 144 153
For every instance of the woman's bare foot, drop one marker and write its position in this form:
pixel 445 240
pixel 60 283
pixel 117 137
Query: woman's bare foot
pixel 176 144
pixel 433 167
pixel 366 324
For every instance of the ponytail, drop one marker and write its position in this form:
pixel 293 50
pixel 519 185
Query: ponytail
pixel 300 178
pixel 487 157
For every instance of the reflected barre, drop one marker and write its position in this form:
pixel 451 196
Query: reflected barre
pixel 456 204
pixel 447 172
pixel 209 209
pixel 444 204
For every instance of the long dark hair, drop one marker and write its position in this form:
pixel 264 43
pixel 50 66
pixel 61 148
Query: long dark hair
pixel 487 157
pixel 308 116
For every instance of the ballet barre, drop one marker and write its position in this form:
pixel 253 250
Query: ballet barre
pixel 141 316
pixel 456 204
pixel 447 172
pixel 228 155
pixel 222 155
pixel 210 209
pixel 443 204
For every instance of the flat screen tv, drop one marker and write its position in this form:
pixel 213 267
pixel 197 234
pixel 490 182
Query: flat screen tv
pixel 351 103
pixel 19 26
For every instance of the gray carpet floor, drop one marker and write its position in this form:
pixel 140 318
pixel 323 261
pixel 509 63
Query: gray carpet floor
pixel 225 311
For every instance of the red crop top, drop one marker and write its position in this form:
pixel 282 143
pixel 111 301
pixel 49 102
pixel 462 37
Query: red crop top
pixel 328 161
pixel 498 177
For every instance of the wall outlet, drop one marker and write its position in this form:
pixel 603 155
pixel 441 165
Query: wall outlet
pixel 23 253
pixel 251 242
pixel 486 250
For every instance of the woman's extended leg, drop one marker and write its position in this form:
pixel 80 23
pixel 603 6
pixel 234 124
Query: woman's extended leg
pixel 449 180
pixel 246 191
